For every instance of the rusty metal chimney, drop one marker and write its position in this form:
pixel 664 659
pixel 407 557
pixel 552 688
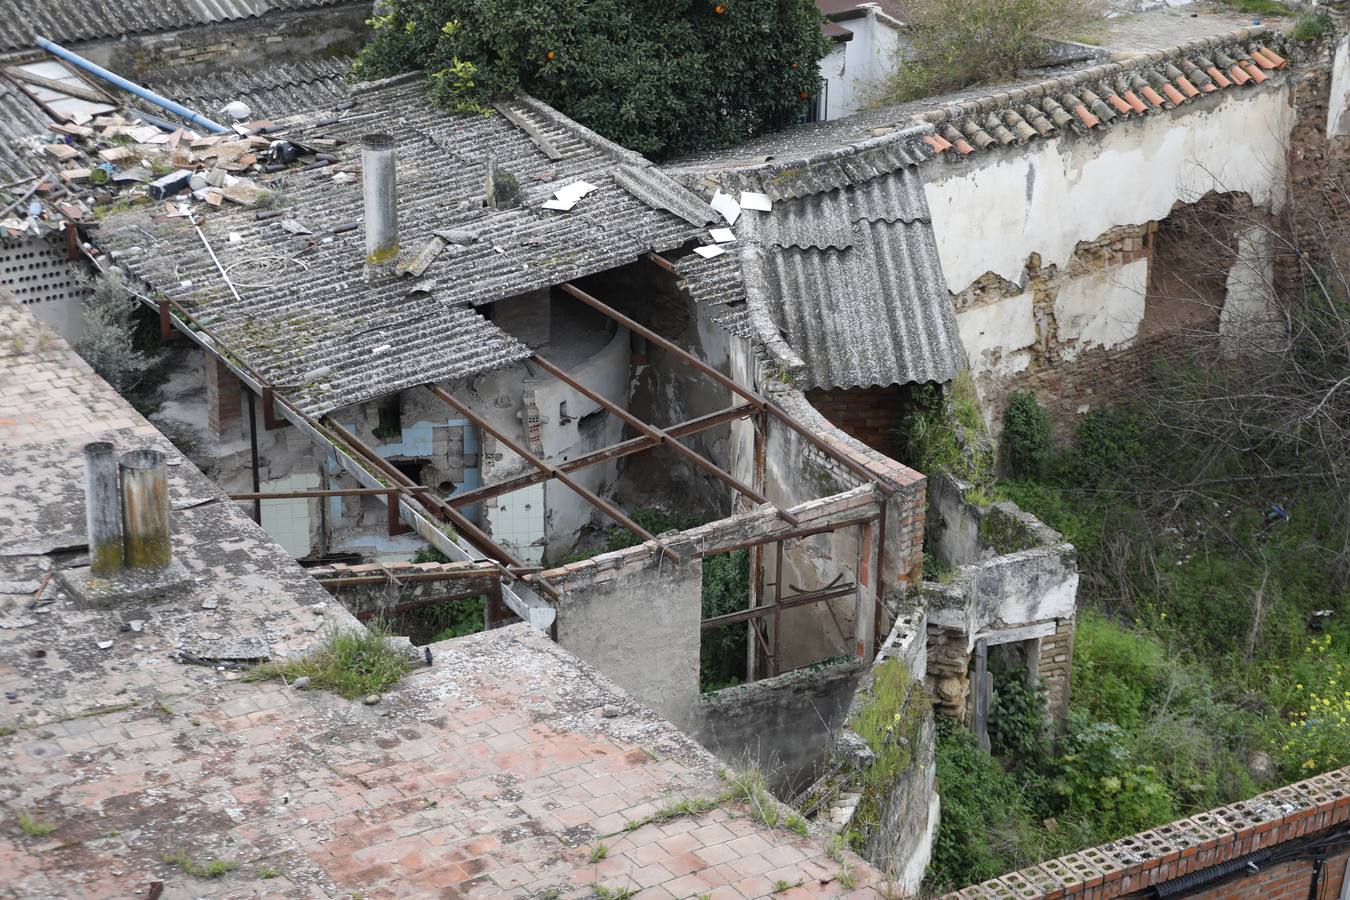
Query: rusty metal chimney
pixel 379 192
pixel 103 509
pixel 145 510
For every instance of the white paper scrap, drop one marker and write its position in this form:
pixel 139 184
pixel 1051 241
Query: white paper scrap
pixel 710 250
pixel 574 191
pixel 756 201
pixel 559 204
pixel 727 206
pixel 722 235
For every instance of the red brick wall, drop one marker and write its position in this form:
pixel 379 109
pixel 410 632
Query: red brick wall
pixel 871 415
pixel 224 398
pixel 1286 881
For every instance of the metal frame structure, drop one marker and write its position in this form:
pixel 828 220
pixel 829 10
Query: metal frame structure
pixel 401 491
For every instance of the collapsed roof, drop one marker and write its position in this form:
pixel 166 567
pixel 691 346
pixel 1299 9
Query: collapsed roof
pixel 318 326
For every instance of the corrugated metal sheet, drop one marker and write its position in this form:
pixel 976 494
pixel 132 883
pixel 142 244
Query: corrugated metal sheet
pixel 85 20
pixel 21 119
pixel 314 307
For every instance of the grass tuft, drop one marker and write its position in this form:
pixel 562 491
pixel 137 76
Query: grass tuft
pixel 32 827
pixel 211 868
pixel 349 663
pixel 599 852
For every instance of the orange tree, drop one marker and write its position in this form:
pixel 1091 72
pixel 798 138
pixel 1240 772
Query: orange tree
pixel 662 77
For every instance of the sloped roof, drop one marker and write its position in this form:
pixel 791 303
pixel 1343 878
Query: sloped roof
pixel 270 91
pixel 844 268
pixel 87 20
pixel 323 330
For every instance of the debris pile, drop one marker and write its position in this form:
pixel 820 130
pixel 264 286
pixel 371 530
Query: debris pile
pixel 115 161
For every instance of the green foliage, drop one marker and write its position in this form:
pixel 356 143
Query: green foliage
pixel 658 78
pixel 1027 445
pixel 599 852
pixel 946 435
pixel 987 826
pixel 891 720
pixel 1260 7
pixel 112 337
pixel 1311 26
pixel 1017 724
pixel 428 553
pixel 210 868
pixel 955 44
pixel 1099 779
pixel 32 827
pixel 350 663
pixel 1315 736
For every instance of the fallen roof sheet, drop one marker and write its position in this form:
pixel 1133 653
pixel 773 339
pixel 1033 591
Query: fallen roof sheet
pixel 320 328
pixel 86 20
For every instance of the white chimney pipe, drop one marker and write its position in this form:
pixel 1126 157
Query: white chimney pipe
pixel 379 191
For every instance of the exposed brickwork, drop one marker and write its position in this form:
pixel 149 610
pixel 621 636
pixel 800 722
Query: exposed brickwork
pixel 1287 881
pixel 1136 863
pixel 871 415
pixel 949 671
pixel 1055 664
pixel 224 399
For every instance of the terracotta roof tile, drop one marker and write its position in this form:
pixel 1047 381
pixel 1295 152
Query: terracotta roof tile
pixel 1121 106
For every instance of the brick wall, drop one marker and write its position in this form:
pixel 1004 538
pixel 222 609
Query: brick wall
pixel 871 415
pixel 1056 661
pixel 224 399
pixel 1281 821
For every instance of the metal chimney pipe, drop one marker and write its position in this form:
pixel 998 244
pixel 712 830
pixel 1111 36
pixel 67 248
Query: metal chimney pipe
pixel 379 191
pixel 145 509
pixel 103 509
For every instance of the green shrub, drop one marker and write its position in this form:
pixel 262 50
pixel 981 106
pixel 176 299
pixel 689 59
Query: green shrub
pixel 987 827
pixel 1017 720
pixel 1311 26
pixel 1099 781
pixel 945 434
pixel 113 343
pixel 1027 444
pixel 657 78
pixel 351 663
pixel 726 589
pixel 1118 673
pixel 1315 736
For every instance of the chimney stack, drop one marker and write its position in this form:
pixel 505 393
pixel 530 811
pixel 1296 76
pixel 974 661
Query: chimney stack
pixel 379 190
pixel 145 510
pixel 103 509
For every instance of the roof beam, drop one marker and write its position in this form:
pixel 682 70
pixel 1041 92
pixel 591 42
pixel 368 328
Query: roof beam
pixel 551 471
pixel 604 454
pixel 748 395
pixel 656 434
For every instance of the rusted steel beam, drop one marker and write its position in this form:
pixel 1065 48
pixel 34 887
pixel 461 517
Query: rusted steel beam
pixel 745 615
pixel 604 454
pixel 471 532
pixel 784 536
pixel 658 260
pixel 166 330
pixel 657 434
pixel 551 471
pixel 750 396
pixel 270 420
pixel 330 492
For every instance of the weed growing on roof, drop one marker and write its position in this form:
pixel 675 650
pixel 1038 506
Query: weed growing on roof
pixel 211 868
pixel 946 434
pixel 834 848
pixel 1260 7
pixel 7 729
pixel 599 852
pixel 1311 27
pixel 349 663
pixel 673 810
pixel 266 872
pixel 848 877
pixel 609 893
pixel 32 827
pixel 783 884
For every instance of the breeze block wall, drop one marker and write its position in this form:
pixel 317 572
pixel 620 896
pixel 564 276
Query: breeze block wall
pixel 1266 847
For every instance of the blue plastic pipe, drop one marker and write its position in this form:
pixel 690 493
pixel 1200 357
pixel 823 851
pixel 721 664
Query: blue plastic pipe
pixel 149 96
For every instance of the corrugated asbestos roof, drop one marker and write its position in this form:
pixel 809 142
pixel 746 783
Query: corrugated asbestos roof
pixel 270 91
pixel 866 305
pixel 313 306
pixel 85 20
pixel 844 268
pixel 21 119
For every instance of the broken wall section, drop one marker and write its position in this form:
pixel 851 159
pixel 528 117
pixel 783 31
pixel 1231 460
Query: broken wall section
pixel 1013 582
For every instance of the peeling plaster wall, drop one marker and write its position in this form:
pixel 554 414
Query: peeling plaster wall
pixel 993 214
pixel 853 69
pixel 996 335
pixel 1338 108
pixel 1101 309
pixel 1250 320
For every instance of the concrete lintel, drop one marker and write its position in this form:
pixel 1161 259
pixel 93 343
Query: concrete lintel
pixel 995 636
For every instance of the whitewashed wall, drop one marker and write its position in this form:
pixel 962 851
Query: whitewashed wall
pixel 991 214
pixel 853 68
